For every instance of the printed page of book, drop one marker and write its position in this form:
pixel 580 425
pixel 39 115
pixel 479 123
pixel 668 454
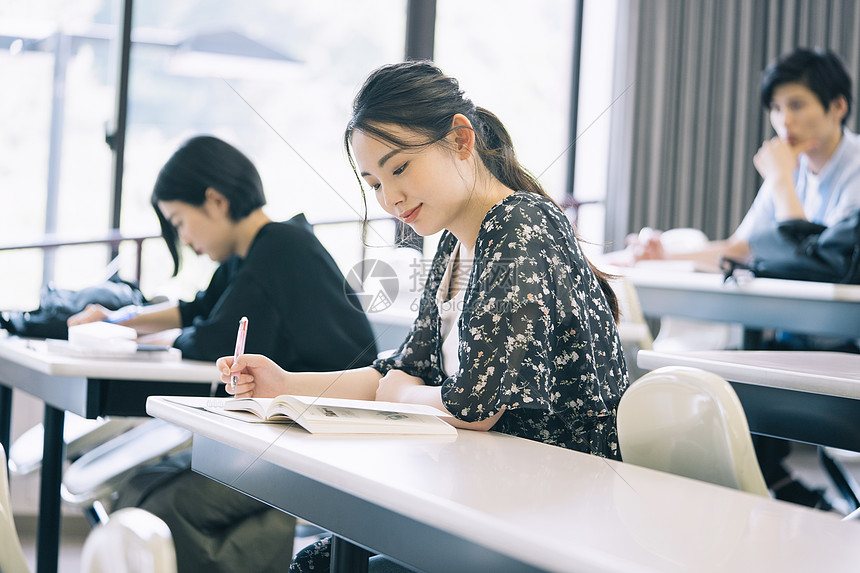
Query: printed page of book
pixel 362 404
pixel 247 409
pixel 340 414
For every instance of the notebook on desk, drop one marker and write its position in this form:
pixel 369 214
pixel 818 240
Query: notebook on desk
pixel 675 265
pixel 146 352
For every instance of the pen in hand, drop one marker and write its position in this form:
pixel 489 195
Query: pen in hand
pixel 240 348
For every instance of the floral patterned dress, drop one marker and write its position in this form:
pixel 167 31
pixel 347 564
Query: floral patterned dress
pixel 536 336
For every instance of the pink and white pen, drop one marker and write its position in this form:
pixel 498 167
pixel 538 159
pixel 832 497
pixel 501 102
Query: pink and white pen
pixel 240 348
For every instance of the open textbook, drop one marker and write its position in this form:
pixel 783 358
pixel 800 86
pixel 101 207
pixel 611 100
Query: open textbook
pixel 338 415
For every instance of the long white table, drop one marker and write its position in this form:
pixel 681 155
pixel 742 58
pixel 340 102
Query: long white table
pixel 809 397
pixel 89 388
pixel 795 306
pixel 492 502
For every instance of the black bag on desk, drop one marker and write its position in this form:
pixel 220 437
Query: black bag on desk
pixel 57 305
pixel 801 250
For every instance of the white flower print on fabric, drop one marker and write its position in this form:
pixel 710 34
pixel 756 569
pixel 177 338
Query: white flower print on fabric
pixel 536 333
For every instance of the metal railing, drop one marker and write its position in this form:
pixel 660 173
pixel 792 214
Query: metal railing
pixel 114 237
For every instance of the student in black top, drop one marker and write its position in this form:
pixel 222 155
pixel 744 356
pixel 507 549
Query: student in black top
pixel 210 197
pixel 301 313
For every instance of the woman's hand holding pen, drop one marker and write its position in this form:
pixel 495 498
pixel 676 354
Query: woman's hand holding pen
pixel 257 376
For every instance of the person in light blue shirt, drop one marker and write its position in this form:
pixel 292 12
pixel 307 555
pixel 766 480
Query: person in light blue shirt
pixel 809 97
pixel 827 196
pixel 811 171
pixel 811 168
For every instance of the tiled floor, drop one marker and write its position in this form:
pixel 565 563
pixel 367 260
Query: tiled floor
pixel 803 461
pixel 74 534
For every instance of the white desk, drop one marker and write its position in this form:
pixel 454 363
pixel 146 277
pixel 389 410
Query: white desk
pixel 89 388
pixel 809 397
pixel 796 306
pixel 491 502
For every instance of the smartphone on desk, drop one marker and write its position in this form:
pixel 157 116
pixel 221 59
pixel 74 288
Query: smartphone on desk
pixel 157 352
pixel 153 348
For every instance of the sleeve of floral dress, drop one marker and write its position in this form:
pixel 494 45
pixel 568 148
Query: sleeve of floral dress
pixel 507 323
pixel 415 355
pixel 419 353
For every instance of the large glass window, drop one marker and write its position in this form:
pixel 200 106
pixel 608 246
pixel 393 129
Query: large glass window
pixel 514 59
pixel 273 77
pixel 54 163
pixel 597 96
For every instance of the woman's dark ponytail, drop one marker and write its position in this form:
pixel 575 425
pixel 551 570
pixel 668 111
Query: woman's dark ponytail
pixel 496 150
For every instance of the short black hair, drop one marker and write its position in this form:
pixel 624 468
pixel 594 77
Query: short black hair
pixel 820 71
pixel 200 163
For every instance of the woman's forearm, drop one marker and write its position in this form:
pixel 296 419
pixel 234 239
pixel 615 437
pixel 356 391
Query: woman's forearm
pixel 432 396
pixel 357 384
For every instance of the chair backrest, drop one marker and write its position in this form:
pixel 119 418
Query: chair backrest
pixel 98 473
pixel 132 541
pixel 632 317
pixel 632 329
pixel 689 422
pixel 80 435
pixel 11 555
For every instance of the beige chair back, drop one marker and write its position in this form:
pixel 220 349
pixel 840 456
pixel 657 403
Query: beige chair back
pixel 133 541
pixel 11 555
pixel 689 422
